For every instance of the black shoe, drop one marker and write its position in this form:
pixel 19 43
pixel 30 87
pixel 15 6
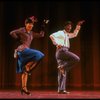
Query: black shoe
pixel 26 92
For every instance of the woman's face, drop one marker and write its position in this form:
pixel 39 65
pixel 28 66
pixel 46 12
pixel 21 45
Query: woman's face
pixel 29 26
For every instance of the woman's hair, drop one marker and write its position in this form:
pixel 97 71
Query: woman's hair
pixel 31 19
pixel 28 20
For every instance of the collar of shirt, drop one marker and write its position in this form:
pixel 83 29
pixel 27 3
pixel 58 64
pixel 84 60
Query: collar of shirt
pixel 65 32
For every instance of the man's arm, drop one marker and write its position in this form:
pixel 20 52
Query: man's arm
pixel 53 39
pixel 54 42
pixel 77 29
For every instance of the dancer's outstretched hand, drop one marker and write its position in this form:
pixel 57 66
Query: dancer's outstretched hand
pixel 81 22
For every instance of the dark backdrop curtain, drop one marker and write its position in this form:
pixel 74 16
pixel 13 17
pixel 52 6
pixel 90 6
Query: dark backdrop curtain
pixel 85 74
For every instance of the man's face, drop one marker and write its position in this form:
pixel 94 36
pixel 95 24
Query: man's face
pixel 29 26
pixel 68 27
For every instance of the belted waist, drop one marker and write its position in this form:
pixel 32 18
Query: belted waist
pixel 62 47
pixel 22 47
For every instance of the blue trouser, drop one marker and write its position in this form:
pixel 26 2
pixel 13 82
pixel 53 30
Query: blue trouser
pixel 65 59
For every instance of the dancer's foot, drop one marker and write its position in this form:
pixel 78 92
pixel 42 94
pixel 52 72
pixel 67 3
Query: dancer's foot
pixel 63 92
pixel 61 69
pixel 24 90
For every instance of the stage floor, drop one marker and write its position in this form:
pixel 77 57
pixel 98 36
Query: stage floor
pixel 49 94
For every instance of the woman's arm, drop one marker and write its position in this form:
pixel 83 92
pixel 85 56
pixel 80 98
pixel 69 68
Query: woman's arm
pixel 38 35
pixel 15 33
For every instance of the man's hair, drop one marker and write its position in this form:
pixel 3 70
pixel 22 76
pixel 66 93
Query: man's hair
pixel 67 23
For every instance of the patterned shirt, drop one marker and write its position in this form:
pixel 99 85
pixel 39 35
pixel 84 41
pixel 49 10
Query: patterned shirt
pixel 24 37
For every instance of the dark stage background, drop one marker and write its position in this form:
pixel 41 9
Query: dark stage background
pixel 85 74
